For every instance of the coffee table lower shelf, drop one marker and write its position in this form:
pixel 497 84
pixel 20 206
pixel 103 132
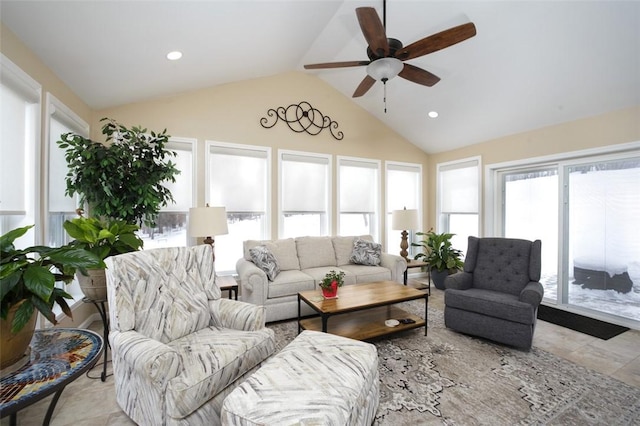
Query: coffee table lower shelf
pixel 365 324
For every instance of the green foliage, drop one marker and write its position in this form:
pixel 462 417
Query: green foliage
pixel 103 238
pixel 438 251
pixel 332 276
pixel 123 178
pixel 31 275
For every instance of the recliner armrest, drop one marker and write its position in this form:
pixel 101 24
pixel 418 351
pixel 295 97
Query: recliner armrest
pixel 150 358
pixel 237 315
pixel 532 293
pixel 459 281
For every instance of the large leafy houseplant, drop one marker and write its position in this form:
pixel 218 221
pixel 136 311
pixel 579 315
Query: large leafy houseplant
pixel 438 251
pixel 104 238
pixel 29 277
pixel 124 177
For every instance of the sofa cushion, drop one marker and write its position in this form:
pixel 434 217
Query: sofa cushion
pixel 213 358
pixel 318 274
pixel 366 252
pixel 289 283
pixel 283 250
pixel 264 259
pixel 315 251
pixel 367 274
pixel 343 246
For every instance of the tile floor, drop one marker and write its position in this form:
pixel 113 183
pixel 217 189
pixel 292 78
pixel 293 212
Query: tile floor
pixel 89 402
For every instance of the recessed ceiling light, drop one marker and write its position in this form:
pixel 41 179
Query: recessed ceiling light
pixel 174 56
pixel 433 114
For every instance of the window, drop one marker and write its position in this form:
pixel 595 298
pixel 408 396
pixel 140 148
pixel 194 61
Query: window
pixel 171 224
pixel 458 194
pixel 404 189
pixel 239 180
pixel 19 151
pixel 358 199
pixel 305 187
pixel 583 206
pixel 59 206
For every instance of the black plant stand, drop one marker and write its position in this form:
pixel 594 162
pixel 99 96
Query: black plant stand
pixel 102 310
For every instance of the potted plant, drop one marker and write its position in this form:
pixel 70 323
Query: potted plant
pixel 438 252
pixel 330 283
pixel 29 279
pixel 103 238
pixel 124 177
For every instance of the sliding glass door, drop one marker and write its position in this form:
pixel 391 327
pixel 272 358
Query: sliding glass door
pixel 530 211
pixel 604 236
pixel 586 212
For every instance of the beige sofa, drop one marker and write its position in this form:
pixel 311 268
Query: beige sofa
pixel 302 263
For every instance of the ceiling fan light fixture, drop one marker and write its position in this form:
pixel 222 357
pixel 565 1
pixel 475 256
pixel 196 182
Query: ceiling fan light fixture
pixel 384 69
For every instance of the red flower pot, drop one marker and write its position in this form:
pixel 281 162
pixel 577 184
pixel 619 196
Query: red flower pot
pixel 331 291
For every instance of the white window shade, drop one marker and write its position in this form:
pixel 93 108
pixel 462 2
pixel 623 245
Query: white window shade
pixel 58 201
pixel 304 183
pixel 13 151
pixel 181 189
pixel 459 187
pixel 358 187
pixel 237 179
pixel 403 187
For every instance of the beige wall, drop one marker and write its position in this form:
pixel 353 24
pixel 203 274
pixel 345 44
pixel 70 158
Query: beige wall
pixel 232 113
pixel 612 128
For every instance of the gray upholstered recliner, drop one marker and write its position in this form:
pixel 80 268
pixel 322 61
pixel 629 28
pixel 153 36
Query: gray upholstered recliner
pixel 497 294
pixel 178 347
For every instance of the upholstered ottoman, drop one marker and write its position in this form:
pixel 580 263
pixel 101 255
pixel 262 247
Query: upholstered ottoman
pixel 318 379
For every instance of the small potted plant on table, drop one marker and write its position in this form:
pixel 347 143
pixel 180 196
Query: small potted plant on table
pixel 330 284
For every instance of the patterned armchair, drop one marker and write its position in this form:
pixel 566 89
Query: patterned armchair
pixel 178 348
pixel 497 294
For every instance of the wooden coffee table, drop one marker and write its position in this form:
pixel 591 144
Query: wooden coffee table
pixel 363 310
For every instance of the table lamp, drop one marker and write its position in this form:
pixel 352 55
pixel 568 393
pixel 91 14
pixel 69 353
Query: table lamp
pixel 208 222
pixel 401 220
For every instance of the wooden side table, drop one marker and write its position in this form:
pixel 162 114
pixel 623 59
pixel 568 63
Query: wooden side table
pixel 418 264
pixel 58 357
pixel 228 283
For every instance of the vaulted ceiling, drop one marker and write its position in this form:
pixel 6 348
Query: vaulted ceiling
pixel 531 64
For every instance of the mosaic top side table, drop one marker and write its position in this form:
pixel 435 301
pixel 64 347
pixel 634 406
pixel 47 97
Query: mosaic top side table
pixel 58 357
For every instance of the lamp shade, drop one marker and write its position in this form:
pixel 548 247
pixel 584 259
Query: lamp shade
pixel 207 221
pixel 384 69
pixel 404 219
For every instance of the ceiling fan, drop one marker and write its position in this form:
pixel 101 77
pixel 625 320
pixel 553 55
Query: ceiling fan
pixel 387 55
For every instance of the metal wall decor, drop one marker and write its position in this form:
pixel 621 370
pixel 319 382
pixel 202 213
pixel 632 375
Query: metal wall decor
pixel 300 118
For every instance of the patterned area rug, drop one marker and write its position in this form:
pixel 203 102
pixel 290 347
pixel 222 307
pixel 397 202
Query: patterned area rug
pixel 447 378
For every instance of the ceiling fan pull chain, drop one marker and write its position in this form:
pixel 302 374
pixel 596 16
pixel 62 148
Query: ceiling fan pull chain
pixel 384 84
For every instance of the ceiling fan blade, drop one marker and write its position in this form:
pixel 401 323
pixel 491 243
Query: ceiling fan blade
pixel 373 30
pixel 418 75
pixel 364 86
pixel 336 65
pixel 436 42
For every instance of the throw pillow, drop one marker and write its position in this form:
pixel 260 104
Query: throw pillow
pixel 366 252
pixel 264 259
